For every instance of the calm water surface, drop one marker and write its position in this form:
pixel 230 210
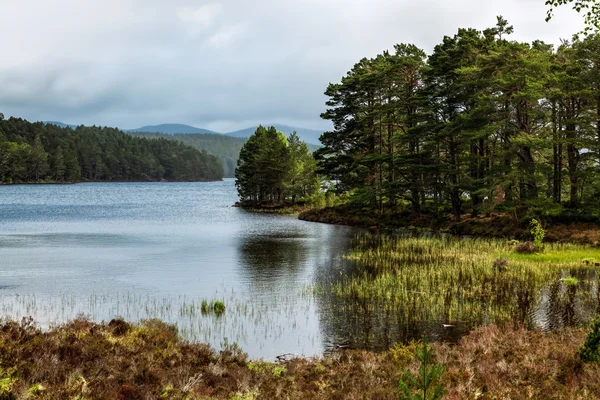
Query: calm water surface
pixel 156 250
pixel 141 250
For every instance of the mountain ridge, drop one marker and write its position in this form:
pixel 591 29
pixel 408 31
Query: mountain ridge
pixel 310 136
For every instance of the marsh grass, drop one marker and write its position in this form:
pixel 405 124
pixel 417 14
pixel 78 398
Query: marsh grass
pixel 212 307
pixel 467 281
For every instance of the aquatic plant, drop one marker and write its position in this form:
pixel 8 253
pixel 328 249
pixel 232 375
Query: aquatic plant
pixel 214 306
pixel 570 281
pixel 403 282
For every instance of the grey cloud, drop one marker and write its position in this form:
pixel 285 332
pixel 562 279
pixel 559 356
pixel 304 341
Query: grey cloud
pixel 219 65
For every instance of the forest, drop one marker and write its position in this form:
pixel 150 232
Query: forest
pixel 40 153
pixel 483 123
pixel 227 148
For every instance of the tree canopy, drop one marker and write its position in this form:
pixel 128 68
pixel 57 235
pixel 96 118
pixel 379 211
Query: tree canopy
pixel 480 124
pixel 273 169
pixel 35 152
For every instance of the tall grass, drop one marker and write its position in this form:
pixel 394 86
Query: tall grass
pixel 449 280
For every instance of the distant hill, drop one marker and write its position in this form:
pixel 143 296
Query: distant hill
pixel 170 129
pixel 53 152
pixel 60 124
pixel 309 136
pixel 226 147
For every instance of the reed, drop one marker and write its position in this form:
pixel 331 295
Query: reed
pixel 424 280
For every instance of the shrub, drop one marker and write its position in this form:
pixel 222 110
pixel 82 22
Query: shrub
pixel 425 386
pixel 500 264
pixel 526 248
pixel 119 327
pixel 538 233
pixel 590 351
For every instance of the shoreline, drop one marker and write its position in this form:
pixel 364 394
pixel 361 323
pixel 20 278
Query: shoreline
pixel 80 182
pixel 499 226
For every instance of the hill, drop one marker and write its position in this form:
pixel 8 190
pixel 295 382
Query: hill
pixel 227 148
pixel 60 124
pixel 309 136
pixel 46 152
pixel 171 129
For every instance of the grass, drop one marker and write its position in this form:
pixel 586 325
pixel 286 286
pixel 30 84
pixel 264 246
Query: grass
pixel 118 360
pixel 469 282
pixel 212 307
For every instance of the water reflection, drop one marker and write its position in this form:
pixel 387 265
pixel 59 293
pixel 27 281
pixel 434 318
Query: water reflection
pixel 268 260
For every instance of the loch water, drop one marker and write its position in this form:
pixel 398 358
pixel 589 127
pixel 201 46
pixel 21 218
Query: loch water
pixel 157 250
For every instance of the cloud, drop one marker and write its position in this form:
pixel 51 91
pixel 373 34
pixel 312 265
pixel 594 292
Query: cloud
pixel 198 19
pixel 226 35
pixel 219 65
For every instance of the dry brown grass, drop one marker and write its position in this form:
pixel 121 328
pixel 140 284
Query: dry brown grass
pixel 84 360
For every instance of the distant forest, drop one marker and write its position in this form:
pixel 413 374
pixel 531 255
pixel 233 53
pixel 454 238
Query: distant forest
pixel 227 148
pixel 36 152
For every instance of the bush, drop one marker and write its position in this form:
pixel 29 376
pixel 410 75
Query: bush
pixel 537 232
pixel 526 248
pixel 590 351
pixel 500 264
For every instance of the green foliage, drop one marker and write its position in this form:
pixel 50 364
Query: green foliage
pixel 247 395
pixel 482 125
pixel 214 306
pixel 538 233
pixel 36 390
pixel 227 148
pixel 590 351
pixel 36 152
pixel 275 169
pixel 570 281
pixel 426 385
pixel 6 384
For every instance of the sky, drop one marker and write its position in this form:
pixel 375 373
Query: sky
pixel 219 65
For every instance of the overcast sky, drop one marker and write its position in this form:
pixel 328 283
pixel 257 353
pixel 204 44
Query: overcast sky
pixel 218 65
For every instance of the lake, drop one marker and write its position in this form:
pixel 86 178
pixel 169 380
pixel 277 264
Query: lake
pixel 145 250
pixel 157 250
